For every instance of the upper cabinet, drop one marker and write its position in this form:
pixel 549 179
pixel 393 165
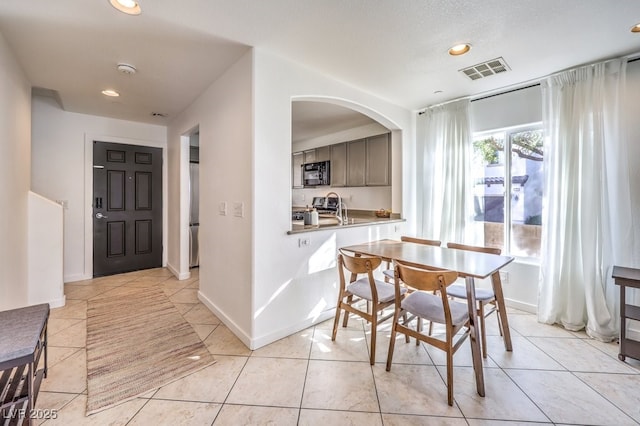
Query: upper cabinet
pixel 356 162
pixel 309 156
pixel 323 153
pixel 363 162
pixel 378 170
pixel 338 164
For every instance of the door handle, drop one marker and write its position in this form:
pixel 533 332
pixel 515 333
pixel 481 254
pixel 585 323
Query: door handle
pixel 100 216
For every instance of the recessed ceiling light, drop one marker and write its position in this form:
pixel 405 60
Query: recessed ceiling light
pixel 130 7
pixel 636 28
pixel 459 49
pixel 110 92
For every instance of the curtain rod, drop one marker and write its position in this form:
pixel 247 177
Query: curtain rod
pixel 631 58
pixel 489 94
pixel 505 92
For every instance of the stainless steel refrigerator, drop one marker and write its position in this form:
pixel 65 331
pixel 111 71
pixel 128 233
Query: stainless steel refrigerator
pixel 194 220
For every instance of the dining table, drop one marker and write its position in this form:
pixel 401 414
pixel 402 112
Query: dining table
pixel 468 264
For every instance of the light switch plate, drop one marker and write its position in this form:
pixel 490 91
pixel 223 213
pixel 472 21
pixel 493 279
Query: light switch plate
pixel 238 209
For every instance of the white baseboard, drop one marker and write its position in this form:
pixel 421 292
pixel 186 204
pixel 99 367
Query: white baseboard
pixel 58 303
pixel 526 307
pixel 255 343
pixel 240 334
pixel 279 334
pixel 77 277
pixel 180 276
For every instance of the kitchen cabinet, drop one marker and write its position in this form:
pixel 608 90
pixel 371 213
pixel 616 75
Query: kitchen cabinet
pixel 315 155
pixel 323 153
pixel 338 164
pixel 356 162
pixel 362 162
pixel 297 159
pixel 378 170
pixel 309 156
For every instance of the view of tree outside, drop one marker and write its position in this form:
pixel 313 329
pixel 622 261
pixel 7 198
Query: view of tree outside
pixel 519 175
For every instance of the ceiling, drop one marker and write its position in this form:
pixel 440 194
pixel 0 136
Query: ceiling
pixel 396 50
pixel 314 119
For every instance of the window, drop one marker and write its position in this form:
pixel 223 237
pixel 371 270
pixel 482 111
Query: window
pixel 507 191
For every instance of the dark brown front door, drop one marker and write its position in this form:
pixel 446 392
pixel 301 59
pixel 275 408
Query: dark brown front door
pixel 127 208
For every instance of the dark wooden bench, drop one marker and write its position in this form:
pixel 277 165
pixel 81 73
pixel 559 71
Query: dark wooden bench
pixel 23 340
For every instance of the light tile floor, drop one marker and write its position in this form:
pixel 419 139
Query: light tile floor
pixel 552 376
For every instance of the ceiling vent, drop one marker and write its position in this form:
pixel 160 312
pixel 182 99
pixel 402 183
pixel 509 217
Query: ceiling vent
pixel 486 69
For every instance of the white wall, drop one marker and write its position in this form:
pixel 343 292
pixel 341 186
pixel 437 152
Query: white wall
pixel 224 115
pixel 515 108
pixel 15 133
pixel 46 243
pixel 61 161
pixel 292 286
pixel 632 112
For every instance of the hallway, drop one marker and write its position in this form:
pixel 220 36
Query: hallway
pixel 552 377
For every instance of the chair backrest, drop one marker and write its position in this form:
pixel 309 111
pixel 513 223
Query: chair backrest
pixel 491 250
pixel 423 279
pixel 421 241
pixel 358 264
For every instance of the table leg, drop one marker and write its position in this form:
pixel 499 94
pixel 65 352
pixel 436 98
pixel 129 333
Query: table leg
pixel 502 310
pixel 474 335
pixel 623 324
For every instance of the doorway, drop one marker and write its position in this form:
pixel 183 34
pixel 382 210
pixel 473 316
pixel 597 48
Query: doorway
pixel 194 199
pixel 127 208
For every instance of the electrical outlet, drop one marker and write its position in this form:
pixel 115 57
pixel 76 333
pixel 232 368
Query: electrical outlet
pixel 222 208
pixel 304 242
pixel 504 277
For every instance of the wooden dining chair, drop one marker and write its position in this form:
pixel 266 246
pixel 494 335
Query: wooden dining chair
pixel 378 294
pixel 485 297
pixel 389 271
pixel 429 301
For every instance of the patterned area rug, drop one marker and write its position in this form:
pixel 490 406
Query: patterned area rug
pixel 137 341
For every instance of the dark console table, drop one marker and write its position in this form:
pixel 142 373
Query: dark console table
pixel 627 277
pixel 23 339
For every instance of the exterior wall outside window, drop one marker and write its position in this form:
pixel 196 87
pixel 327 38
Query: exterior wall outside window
pixel 500 169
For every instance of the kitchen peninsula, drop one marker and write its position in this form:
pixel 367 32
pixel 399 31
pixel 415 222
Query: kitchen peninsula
pixel 330 221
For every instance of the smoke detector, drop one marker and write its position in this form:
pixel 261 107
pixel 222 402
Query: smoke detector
pixel 126 69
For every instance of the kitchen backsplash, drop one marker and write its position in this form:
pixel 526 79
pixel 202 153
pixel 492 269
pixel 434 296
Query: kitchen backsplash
pixel 361 198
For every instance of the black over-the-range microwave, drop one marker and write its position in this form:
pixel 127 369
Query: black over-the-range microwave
pixel 314 174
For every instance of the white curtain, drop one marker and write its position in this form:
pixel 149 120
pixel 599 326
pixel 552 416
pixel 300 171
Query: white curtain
pixel 587 223
pixel 444 146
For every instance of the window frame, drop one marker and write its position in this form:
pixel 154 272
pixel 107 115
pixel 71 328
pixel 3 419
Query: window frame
pixel 508 133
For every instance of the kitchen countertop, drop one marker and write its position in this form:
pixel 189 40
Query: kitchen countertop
pixel 326 222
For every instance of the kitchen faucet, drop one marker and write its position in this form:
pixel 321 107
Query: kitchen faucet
pixel 338 207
